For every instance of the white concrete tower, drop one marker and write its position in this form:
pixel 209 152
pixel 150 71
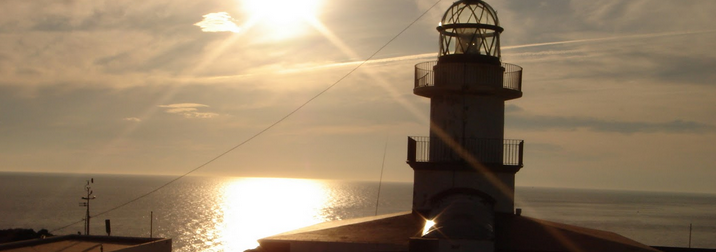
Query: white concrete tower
pixel 465 170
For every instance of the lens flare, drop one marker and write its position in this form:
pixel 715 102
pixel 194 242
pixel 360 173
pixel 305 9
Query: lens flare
pixel 428 225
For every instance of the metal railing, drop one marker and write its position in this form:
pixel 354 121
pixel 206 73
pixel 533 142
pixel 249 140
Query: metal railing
pixel 511 79
pixel 486 150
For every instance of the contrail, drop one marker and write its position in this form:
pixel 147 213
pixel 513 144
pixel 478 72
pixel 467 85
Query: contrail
pixel 433 55
pixel 638 36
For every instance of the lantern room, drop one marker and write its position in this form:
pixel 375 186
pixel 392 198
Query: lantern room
pixel 470 27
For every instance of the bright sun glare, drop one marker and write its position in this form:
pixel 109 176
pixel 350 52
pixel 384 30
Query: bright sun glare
pixel 281 18
pixel 258 207
pixel 428 225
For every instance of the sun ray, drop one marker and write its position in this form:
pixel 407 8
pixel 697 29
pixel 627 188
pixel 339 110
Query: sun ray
pixel 331 37
pixel 390 89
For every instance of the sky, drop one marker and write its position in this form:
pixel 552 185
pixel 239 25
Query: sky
pixel 618 94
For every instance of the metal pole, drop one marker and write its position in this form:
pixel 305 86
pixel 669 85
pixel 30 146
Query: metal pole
pixel 88 212
pixel 87 217
pixel 690 228
pixel 87 205
pixel 380 182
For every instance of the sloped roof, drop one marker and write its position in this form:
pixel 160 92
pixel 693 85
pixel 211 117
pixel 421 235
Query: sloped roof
pixel 513 234
pixel 519 233
pixel 394 229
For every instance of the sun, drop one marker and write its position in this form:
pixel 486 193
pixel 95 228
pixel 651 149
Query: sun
pixel 281 18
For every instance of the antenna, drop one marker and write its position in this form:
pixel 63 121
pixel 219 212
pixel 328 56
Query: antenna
pixel 380 182
pixel 86 204
pixel 690 228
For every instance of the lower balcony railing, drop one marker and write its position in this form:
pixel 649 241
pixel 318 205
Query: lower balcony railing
pixel 506 152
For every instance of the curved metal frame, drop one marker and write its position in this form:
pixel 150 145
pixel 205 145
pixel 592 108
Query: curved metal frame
pixel 470 27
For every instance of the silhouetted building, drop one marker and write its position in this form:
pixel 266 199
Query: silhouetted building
pixel 90 243
pixel 465 170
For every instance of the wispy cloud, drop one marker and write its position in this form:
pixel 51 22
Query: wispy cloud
pixel 183 105
pixel 218 22
pixel 132 119
pixel 429 56
pixel 605 125
pixel 188 110
pixel 636 36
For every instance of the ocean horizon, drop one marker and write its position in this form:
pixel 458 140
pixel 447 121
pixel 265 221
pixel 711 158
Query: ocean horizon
pixel 230 213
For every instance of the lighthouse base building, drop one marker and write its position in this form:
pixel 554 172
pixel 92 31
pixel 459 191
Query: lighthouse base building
pixel 403 232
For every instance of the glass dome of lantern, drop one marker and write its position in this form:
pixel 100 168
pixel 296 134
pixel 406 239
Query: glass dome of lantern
pixel 470 31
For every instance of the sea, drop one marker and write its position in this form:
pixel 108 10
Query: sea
pixel 230 213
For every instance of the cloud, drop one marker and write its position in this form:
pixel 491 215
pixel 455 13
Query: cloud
pixel 218 22
pixel 188 110
pixel 604 125
pixel 622 37
pixel 510 108
pixel 305 67
pixel 132 119
pixel 183 105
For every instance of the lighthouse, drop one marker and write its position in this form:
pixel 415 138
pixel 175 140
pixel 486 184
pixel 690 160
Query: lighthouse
pixel 464 171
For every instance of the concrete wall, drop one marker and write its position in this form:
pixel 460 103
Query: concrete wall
pixel 461 111
pixel 428 183
pixel 449 245
pixel 319 246
pixel 164 245
pixel 469 116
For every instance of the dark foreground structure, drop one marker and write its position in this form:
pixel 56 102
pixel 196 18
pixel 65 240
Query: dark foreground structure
pixel 21 234
pixel 90 243
pixel 464 171
pixel 402 232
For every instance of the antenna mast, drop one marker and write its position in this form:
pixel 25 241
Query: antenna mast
pixel 86 204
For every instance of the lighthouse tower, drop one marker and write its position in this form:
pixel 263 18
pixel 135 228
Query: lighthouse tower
pixel 464 172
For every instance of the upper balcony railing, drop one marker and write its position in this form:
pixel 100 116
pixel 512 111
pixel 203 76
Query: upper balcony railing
pixel 504 152
pixel 474 75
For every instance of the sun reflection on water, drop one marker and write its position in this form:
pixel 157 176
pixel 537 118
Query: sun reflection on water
pixel 253 208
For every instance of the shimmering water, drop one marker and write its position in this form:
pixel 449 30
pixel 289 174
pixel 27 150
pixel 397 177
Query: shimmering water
pixel 652 218
pixel 229 214
pixel 198 213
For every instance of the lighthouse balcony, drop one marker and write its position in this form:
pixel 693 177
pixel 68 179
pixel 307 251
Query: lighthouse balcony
pixel 498 154
pixel 433 78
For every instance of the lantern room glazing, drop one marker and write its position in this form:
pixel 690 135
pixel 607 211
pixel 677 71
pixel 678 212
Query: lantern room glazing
pixel 470 27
